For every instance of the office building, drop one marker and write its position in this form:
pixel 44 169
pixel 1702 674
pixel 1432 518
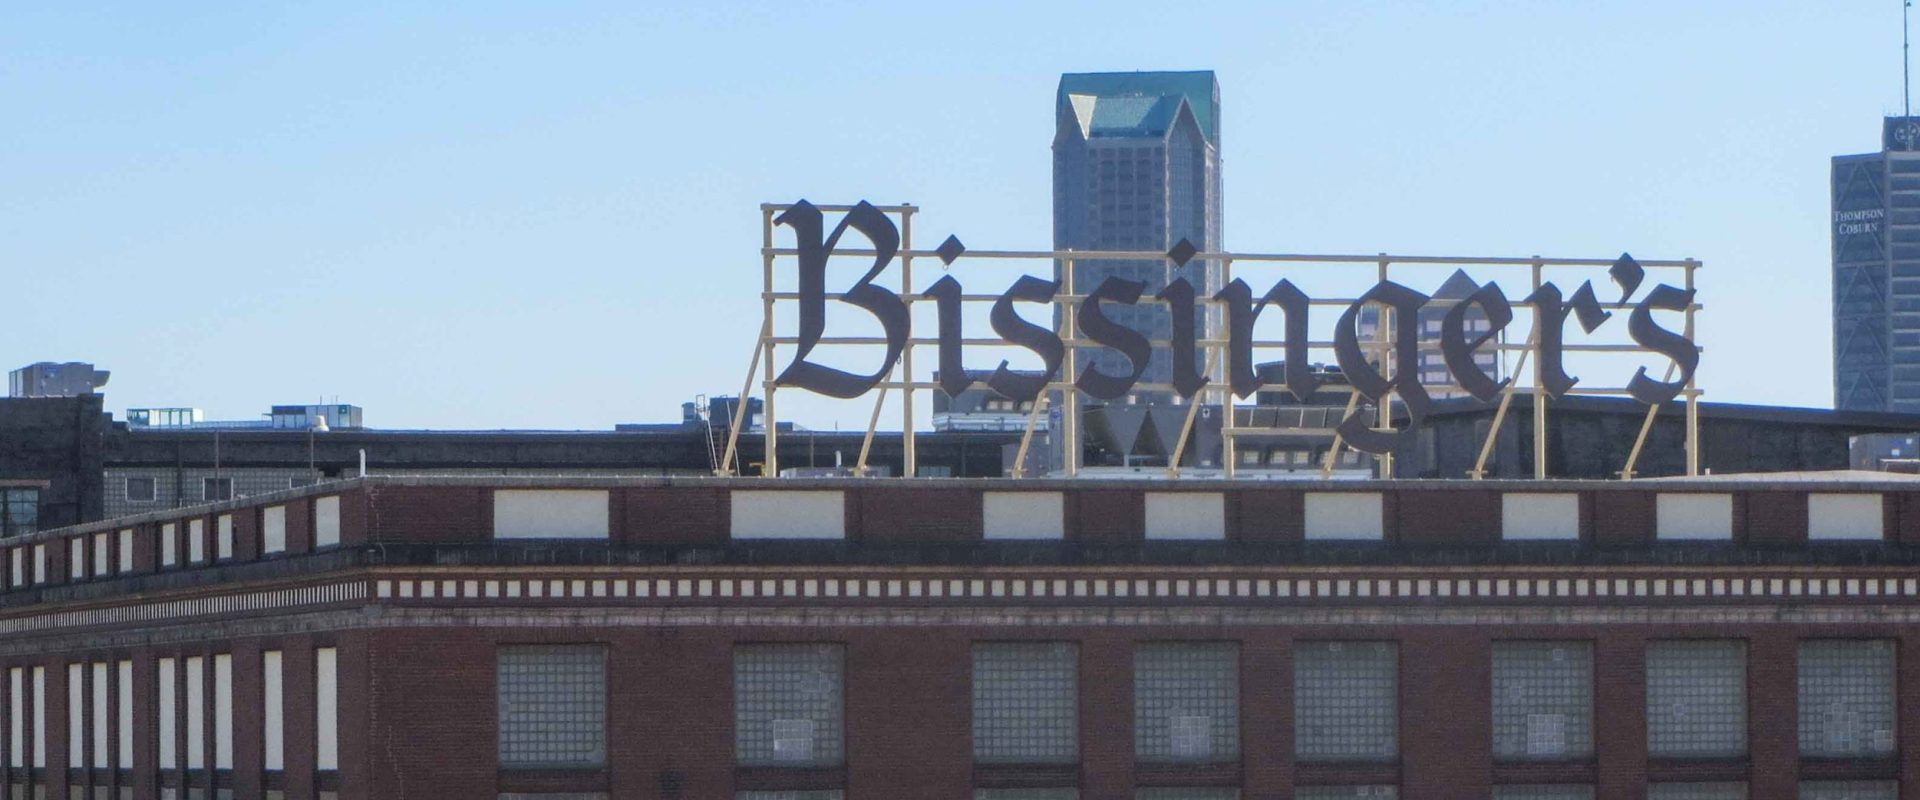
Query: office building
pixel 1876 274
pixel 1136 167
pixel 48 379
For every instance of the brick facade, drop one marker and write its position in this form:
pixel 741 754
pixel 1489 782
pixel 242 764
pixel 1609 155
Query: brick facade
pixel 419 597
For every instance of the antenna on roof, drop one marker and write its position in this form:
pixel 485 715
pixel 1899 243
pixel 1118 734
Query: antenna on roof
pixel 1906 75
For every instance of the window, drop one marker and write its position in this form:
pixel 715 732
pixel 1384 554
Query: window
pixel 1544 791
pixel 273 530
pixel 1186 702
pixel 793 794
pixel 140 490
pixel 1849 790
pixel 1345 698
pixel 1846 698
pixel 1542 700
pixel 788 704
pixel 19 511
pixel 297 482
pixel 1697 699
pixel 1697 791
pixel 553 796
pixel 1346 793
pixel 1052 793
pixel 553 706
pixel 1187 793
pixel 214 489
pixel 1026 703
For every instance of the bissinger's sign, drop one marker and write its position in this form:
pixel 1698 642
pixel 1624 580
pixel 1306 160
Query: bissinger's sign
pixel 1552 310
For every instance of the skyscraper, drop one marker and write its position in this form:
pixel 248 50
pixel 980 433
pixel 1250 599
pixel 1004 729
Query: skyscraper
pixel 1136 166
pixel 1876 274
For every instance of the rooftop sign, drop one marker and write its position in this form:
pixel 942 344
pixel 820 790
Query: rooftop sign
pixel 1382 362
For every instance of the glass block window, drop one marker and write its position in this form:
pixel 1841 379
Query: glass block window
pixel 1026 703
pixel 553 706
pixel 1384 792
pixel 1544 791
pixel 1846 698
pixel 1697 699
pixel 1051 793
pixel 1542 700
pixel 1186 702
pixel 788 703
pixel 1187 793
pixel 553 796
pixel 1849 790
pixel 1346 701
pixel 1697 791
pixel 792 794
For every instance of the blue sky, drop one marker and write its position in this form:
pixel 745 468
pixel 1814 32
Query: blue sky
pixel 486 215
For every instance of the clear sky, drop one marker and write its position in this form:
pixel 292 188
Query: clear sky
pixel 545 215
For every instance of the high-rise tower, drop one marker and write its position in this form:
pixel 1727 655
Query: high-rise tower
pixel 1136 166
pixel 1876 274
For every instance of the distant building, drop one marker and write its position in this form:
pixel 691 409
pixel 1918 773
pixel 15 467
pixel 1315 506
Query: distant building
pixel 979 408
pixel 1876 274
pixel 325 416
pixel 1136 167
pixel 1434 373
pixel 1589 438
pixel 47 379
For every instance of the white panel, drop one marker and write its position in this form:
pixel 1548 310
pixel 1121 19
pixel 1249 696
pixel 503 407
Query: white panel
pixel 126 550
pixel 1839 517
pixel 1540 516
pixel 326 521
pixel 789 515
pixel 101 728
pixel 225 549
pixel 39 717
pixel 76 715
pixel 77 557
pixel 19 558
pixel 1345 515
pixel 326 695
pixel 276 737
pixel 223 711
pixel 196 712
pixel 17 722
pixel 1694 516
pixel 1023 515
pixel 125 755
pixel 102 555
pixel 169 717
pixel 169 545
pixel 196 541
pixel 549 514
pixel 1186 515
pixel 273 530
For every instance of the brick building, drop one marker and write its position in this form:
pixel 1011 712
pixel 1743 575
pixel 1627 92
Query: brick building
pixel 583 637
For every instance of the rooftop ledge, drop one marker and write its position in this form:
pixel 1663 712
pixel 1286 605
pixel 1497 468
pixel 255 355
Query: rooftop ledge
pixel 1837 481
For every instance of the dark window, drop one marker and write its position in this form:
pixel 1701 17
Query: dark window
pixel 140 490
pixel 212 489
pixel 1544 791
pixel 19 511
